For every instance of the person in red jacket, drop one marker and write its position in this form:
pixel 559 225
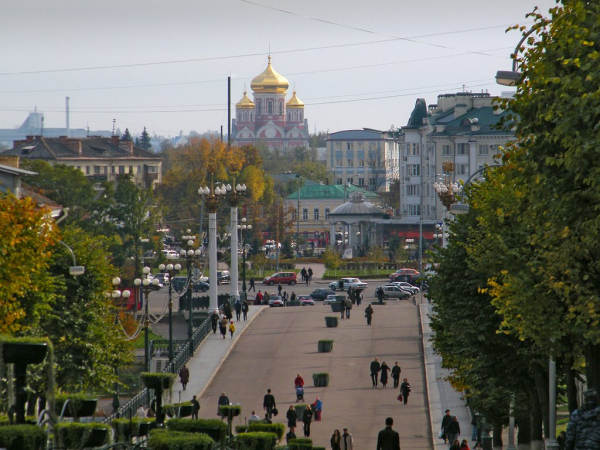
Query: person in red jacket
pixel 299 381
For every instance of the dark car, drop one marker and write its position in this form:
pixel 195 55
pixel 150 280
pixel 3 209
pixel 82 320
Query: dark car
pixel 321 294
pixel 223 277
pixel 178 283
pixel 200 286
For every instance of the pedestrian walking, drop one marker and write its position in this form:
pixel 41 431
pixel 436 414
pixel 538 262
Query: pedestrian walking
pixel 195 407
pixel 214 321
pixel 474 427
pixel 238 309
pixel 226 307
pixel 231 328
pixel 335 440
pixel 292 417
pixel 303 273
pixel 445 422
pixel 184 376
pixel 269 403
pixel 299 381
pixel 223 325
pixel 279 288
pixel 310 274
pixel 307 416
pixel 405 390
pixel 293 297
pixel 379 294
pixel 259 298
pixel 284 297
pixel 348 305
pixel 369 315
pixel 346 442
pixel 266 298
pixel 252 287
pixel 453 431
pixel 317 407
pixel 290 434
pixel 307 279
pixel 384 374
pixel 455 445
pixel 396 370
pixel 223 401
pixel 375 368
pixel 342 309
pixel 245 309
pixel 388 439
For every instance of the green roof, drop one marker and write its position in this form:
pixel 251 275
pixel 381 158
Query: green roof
pixel 328 191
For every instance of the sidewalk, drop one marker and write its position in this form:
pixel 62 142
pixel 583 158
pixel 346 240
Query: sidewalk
pixel 441 395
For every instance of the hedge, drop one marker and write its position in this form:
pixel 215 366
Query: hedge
pixel 177 440
pixel 125 429
pixel 276 428
pixel 227 410
pixel 153 380
pixel 4 420
pixel 239 429
pixel 256 441
pixel 79 405
pixel 300 444
pixel 185 409
pixel 216 429
pixel 22 437
pixel 74 434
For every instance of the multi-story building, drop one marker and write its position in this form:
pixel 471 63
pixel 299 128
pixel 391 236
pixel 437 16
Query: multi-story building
pixel 100 159
pixel 366 158
pixel 268 119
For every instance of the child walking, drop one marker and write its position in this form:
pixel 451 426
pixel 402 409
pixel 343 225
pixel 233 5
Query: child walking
pixel 231 328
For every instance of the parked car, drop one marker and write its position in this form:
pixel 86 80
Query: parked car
pixel 281 278
pixel 170 254
pixel 223 277
pixel 162 278
pixel 345 283
pixel 200 286
pixel 306 300
pixel 394 292
pixel 330 299
pixel 275 301
pixel 321 294
pixel 406 286
pixel 178 283
pixel 403 274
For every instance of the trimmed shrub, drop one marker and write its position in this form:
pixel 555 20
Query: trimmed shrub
pixel 275 428
pixel 214 428
pixel 256 441
pixel 78 405
pixel 178 410
pixel 78 435
pixel 4 420
pixel 331 321
pixel 239 429
pixel 300 444
pixel 321 379
pixel 230 410
pixel 300 411
pixel 157 380
pixel 325 346
pixel 126 429
pixel 177 440
pixel 22 437
pixel 319 448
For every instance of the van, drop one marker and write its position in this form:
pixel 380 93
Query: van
pixel 281 278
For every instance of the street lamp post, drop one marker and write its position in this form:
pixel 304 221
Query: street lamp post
pixel 189 255
pixel 234 196
pixel 146 284
pixel 172 271
pixel 212 203
pixel 243 227
pixel 117 295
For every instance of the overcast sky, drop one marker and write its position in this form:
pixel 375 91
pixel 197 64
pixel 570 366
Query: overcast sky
pixel 164 64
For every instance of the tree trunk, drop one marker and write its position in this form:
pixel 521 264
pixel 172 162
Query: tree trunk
pixel 540 378
pixel 31 401
pixel 523 425
pixel 537 439
pixel 497 436
pixel 592 361
pixel 570 376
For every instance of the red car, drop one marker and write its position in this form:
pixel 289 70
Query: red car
pixel 281 278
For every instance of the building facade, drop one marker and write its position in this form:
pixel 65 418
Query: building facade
pixel 365 158
pixel 100 159
pixel 269 119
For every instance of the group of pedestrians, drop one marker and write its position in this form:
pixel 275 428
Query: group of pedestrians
pixel 306 275
pixel 224 322
pixel 450 432
pixel 376 368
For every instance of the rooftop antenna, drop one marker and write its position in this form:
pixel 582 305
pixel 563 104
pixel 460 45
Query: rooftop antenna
pixel 42 130
pixel 114 122
pixel 88 130
pixel 67 113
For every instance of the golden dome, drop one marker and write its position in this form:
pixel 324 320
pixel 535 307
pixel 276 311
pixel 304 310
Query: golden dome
pixel 295 102
pixel 245 103
pixel 270 81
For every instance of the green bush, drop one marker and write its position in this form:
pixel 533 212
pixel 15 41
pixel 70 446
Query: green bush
pixel 79 405
pixel 230 410
pixel 185 409
pixel 300 444
pixel 154 380
pixel 321 379
pixel 319 448
pixel 126 429
pixel 216 429
pixel 239 429
pixel 76 435
pixel 256 441
pixel 22 437
pixel 4 421
pixel 177 440
pixel 276 428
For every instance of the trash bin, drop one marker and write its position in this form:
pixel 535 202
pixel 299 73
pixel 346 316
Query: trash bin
pixel 486 442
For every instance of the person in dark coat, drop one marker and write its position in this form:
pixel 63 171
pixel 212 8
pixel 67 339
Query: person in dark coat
pixel 214 321
pixel 195 407
pixel 384 374
pixel 184 376
pixel 238 309
pixel 307 419
pixel 290 435
pixel 223 401
pixel 396 370
pixel 245 309
pixel 583 430
pixel 453 431
pixel 335 440
pixel 369 315
pixel 445 422
pixel 388 439
pixel 309 273
pixel 405 390
pixel 252 288
pixel 269 403
pixel 292 417
pixel 342 309
pixel 223 322
pixel 227 310
pixel 375 368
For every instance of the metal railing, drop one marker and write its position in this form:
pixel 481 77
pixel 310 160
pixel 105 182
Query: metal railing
pixel 186 351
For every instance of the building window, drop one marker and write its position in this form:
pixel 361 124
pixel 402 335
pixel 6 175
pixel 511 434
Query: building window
pixel 350 163
pixel 294 214
pixel 280 108
pixel 338 162
pixel 413 210
pixel 121 170
pixel 339 181
pixel 349 146
pixel 112 169
pixel 413 190
pixel 483 150
pixel 87 170
pixel 350 180
pixel 413 170
pixel 462 169
pixel 446 150
pixel 462 149
pixel 361 163
pixel 338 146
pixel 96 170
pixel 259 107
pixel 326 213
pixel 270 108
pixel 316 214
pixel 371 181
pixel 304 213
pixel 412 149
pixel 361 181
pixel 139 169
pixel 131 169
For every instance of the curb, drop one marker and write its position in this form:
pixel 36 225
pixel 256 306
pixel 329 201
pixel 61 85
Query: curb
pixel 426 374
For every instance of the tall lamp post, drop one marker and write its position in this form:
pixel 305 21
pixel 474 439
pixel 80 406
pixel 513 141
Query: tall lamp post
pixel 234 196
pixel 243 227
pixel 212 203
pixel 146 284
pixel 189 255
pixel 117 295
pixel 172 270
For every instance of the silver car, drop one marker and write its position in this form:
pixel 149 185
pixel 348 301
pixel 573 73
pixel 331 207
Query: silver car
pixel 395 292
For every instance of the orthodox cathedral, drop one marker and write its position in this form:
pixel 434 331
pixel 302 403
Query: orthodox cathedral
pixel 269 119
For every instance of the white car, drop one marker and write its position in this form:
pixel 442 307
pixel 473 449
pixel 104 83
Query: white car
pixel 345 283
pixel 330 299
pixel 406 286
